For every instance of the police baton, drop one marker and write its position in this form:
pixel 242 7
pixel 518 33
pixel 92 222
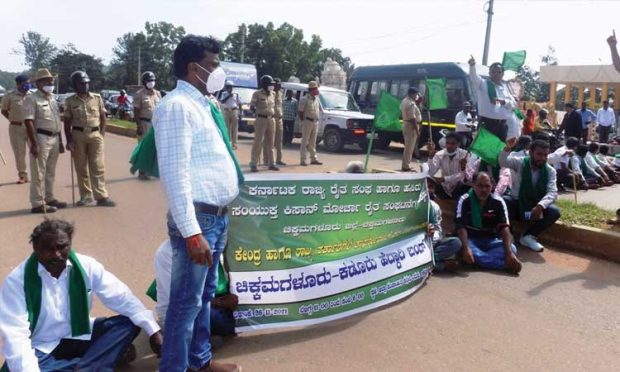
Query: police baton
pixel 72 180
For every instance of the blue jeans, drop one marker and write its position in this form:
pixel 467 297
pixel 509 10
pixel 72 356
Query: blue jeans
pixel 187 331
pixel 489 252
pixel 110 339
pixel 444 249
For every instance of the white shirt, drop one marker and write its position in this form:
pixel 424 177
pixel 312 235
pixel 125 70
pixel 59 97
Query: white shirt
pixel 163 277
pixel 559 157
pixel 461 120
pixel 194 163
pixel 605 118
pixel 232 102
pixel 450 168
pixel 54 321
pixel 590 161
pixel 485 107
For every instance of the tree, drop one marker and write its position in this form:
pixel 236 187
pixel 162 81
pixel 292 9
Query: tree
pixel 68 60
pixel 38 50
pixel 531 83
pixel 151 50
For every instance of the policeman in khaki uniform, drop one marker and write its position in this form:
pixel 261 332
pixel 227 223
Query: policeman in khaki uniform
pixel 43 125
pixel 309 115
pixel 84 117
pixel 12 104
pixel 279 126
pixel 411 126
pixel 263 102
pixel 144 103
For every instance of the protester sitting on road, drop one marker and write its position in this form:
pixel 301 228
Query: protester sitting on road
pixel 534 190
pixel 451 161
pixel 579 166
pixel 45 307
pixel 222 306
pixel 354 166
pixel 445 250
pixel 602 167
pixel 483 227
pixel 603 157
pixel 560 160
pixel 593 164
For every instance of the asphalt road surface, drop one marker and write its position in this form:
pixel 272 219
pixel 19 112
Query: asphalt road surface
pixel 561 314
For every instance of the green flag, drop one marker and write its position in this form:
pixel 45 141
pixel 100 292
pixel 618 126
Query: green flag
pixel 487 146
pixel 514 60
pixel 387 115
pixel 437 97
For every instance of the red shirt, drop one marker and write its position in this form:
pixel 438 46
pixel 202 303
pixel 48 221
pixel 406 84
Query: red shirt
pixel 122 99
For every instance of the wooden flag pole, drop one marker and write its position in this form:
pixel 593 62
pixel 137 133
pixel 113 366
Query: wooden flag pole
pixel 575 186
pixel 370 143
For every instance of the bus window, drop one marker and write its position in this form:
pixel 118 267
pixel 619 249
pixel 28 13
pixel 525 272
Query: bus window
pixel 362 89
pixel 394 88
pixel 375 90
pixel 455 90
pixel 403 89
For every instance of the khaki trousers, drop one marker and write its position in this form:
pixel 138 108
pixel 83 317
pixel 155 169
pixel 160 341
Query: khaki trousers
pixel 410 135
pixel 145 125
pixel 263 136
pixel 19 144
pixel 277 141
pixel 43 170
pixel 232 123
pixel 89 166
pixel 308 139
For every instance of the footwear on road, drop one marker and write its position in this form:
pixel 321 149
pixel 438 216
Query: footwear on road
pixel 529 241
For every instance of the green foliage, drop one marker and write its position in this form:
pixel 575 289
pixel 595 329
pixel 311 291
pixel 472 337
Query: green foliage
pixel 122 123
pixel 7 79
pixel 37 50
pixel 69 60
pixel 587 214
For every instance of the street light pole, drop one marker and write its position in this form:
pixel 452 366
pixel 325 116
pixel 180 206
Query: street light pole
pixel 487 38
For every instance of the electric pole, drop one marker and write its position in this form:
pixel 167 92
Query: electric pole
pixel 487 38
pixel 241 57
pixel 139 63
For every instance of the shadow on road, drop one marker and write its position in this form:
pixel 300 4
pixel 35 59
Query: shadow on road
pixel 10 214
pixel 598 275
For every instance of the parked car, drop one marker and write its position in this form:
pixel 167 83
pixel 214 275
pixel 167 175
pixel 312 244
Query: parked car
pixel 107 93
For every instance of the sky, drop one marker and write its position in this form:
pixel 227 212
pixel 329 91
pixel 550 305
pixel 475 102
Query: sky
pixel 370 32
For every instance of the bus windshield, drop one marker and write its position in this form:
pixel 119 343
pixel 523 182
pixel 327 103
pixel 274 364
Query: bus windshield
pixel 331 100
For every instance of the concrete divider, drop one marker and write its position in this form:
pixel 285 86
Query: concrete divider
pixel 128 132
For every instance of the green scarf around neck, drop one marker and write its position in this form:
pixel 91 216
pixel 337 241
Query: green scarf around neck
pixel 476 209
pixel 493 96
pixel 144 156
pixel 530 194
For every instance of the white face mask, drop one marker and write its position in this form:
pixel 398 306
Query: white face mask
pixel 48 88
pixel 150 84
pixel 270 88
pixel 216 80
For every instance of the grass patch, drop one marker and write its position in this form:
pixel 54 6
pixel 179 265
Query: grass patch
pixel 587 214
pixel 122 123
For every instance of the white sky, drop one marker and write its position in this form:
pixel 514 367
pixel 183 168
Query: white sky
pixel 369 31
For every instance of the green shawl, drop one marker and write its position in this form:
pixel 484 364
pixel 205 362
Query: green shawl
pixel 529 194
pixel 221 289
pixel 476 209
pixel 144 156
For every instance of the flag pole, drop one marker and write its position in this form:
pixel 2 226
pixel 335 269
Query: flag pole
pixel 372 139
pixel 575 186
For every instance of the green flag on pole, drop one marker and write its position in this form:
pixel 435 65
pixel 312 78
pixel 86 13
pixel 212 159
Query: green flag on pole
pixel 387 115
pixel 437 97
pixel 487 146
pixel 514 60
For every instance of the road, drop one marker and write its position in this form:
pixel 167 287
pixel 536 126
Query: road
pixel 561 314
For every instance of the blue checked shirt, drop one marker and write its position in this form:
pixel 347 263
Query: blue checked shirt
pixel 289 111
pixel 194 164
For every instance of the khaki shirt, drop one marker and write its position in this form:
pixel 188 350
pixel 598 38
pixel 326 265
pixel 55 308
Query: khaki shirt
pixel 278 103
pixel 264 102
pixel 13 102
pixel 410 110
pixel 84 112
pixel 42 109
pixel 309 106
pixel 146 101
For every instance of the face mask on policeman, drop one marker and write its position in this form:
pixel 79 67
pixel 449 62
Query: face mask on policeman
pixel 150 84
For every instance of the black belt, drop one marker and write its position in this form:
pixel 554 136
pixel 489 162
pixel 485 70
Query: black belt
pixel 264 116
pixel 489 120
pixel 307 118
pixel 46 132
pixel 145 119
pixel 16 123
pixel 210 209
pixel 81 129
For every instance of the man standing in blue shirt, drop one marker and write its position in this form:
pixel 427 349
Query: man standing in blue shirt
pixel 587 117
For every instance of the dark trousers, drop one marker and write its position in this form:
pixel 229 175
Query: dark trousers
pixel 458 191
pixel 565 179
pixel 109 341
pixel 603 133
pixel 584 136
pixel 466 139
pixel 497 127
pixel 549 216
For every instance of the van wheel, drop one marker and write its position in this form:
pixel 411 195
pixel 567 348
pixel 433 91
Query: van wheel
pixel 382 143
pixel 332 140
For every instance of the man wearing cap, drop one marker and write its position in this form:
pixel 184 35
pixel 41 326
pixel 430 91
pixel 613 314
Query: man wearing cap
pixel 231 105
pixel 43 124
pixel 495 103
pixel 309 114
pixel 411 125
pixel 464 124
pixel 12 104
pixel 84 117
pixel 279 127
pixel 263 103
pixel 144 104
